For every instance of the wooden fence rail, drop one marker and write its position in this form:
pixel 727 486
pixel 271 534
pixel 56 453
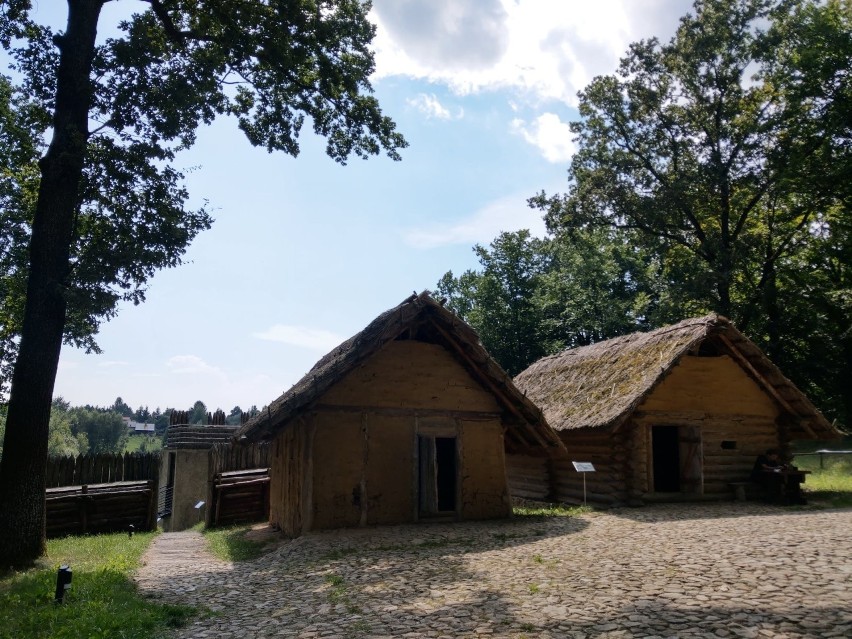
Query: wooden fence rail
pixel 101 508
pixel 101 492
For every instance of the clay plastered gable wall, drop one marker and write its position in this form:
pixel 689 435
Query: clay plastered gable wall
pixel 484 490
pixel 391 472
pixel 410 374
pixel 715 385
pixel 338 463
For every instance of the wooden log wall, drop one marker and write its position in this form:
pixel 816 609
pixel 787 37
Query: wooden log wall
pixel 528 477
pixel 750 435
pixel 101 508
pixel 240 496
pixel 290 479
pixel 228 457
pixel 637 474
pixel 484 489
pixel 607 484
pixel 409 374
pixel 102 468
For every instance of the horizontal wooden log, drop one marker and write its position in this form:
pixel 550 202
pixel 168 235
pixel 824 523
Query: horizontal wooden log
pixel 236 485
pixel 577 496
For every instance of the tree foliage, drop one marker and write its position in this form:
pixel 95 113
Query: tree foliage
pixel 533 297
pixel 713 173
pixel 198 413
pixel 695 144
pixel 105 431
pixel 104 208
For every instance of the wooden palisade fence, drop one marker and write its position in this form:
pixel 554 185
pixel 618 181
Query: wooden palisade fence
pixel 101 493
pixel 102 468
pixel 239 481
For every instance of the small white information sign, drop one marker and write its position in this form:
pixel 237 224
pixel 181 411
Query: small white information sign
pixel 583 467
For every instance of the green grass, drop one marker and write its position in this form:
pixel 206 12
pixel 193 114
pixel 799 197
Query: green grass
pixel 102 602
pixel 143 443
pixel 550 510
pixel 230 543
pixel 338 594
pixel 830 485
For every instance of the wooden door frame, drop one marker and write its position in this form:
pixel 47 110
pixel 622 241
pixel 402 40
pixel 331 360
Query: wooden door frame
pixel 649 441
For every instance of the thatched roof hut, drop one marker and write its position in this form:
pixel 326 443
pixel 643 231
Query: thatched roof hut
pixel 409 419
pixel 600 385
pixel 679 412
pixel 419 318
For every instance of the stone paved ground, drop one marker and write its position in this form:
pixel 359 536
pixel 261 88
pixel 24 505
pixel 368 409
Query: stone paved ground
pixel 716 570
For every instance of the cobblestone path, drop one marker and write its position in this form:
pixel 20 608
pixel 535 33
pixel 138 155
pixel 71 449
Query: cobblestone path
pixel 716 570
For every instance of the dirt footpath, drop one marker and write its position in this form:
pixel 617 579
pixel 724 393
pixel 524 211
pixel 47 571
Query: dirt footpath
pixel 718 570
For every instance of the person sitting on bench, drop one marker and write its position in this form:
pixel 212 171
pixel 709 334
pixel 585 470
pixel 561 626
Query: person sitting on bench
pixel 770 472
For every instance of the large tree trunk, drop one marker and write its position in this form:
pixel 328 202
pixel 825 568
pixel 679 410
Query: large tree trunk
pixel 22 474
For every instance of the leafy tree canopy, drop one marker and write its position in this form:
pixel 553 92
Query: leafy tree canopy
pixel 703 144
pixel 713 172
pixel 103 208
pixel 104 430
pixel 270 65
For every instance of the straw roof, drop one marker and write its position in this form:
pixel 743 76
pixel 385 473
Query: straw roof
pixel 422 318
pixel 602 384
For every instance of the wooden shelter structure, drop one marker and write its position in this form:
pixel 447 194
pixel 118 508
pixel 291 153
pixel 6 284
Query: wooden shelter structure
pixel 185 469
pixel 678 413
pixel 407 420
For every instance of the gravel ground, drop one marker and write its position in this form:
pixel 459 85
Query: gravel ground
pixel 715 570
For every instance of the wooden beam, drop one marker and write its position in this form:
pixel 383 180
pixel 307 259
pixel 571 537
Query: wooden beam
pixel 765 383
pixel 407 412
pixel 494 389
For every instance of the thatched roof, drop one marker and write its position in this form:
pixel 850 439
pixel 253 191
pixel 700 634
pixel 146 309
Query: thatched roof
pixel 602 384
pixel 421 318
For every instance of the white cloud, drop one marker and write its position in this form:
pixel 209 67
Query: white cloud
pixel 431 107
pixel 209 383
pixel 506 214
pixel 545 49
pixel 193 365
pixel 550 135
pixel 301 336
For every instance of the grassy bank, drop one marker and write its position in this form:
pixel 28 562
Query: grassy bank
pixel 234 543
pixel 101 603
pixel 831 479
pixel 143 444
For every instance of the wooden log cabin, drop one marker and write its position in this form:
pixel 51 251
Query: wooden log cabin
pixel 679 413
pixel 407 420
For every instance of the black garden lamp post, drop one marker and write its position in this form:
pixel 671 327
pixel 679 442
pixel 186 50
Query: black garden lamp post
pixel 63 582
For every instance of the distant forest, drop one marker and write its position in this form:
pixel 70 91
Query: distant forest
pixel 76 430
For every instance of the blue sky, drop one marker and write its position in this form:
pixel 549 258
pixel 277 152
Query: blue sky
pixel 304 252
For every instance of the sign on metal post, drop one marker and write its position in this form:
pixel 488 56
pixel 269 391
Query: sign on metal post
pixel 584 467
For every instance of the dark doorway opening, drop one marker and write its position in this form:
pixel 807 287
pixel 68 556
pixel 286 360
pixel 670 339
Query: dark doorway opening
pixel 666 455
pixel 438 474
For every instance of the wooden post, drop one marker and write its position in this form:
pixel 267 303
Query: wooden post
pixel 83 509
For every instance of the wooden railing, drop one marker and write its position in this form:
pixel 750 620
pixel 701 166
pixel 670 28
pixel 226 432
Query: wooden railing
pixel 823 453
